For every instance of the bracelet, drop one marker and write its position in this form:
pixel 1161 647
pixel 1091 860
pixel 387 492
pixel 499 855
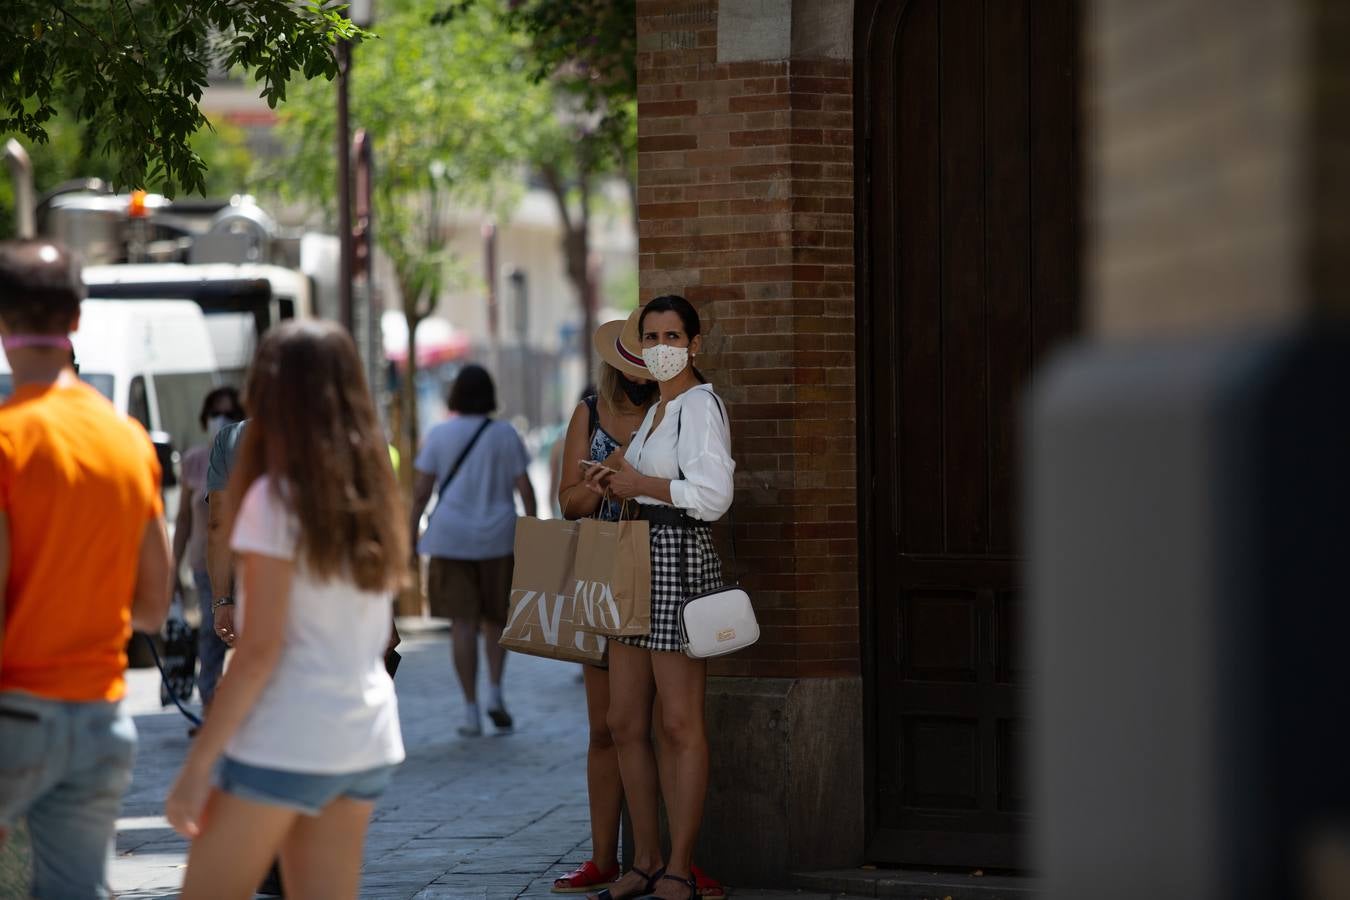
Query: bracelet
pixel 221 601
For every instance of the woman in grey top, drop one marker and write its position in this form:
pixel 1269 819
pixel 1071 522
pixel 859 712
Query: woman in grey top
pixel 478 465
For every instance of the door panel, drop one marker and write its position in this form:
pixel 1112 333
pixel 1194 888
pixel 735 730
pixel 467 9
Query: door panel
pixel 968 276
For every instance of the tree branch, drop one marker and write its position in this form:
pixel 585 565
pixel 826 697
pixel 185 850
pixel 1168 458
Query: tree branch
pixel 559 190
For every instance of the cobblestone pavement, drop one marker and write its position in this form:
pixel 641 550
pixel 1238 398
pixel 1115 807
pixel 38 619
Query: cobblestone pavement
pixel 493 817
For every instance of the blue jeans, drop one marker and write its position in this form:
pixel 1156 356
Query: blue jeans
pixel 210 648
pixel 65 767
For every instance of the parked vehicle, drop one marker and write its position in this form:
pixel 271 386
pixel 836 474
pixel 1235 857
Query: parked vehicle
pixel 240 300
pixel 153 360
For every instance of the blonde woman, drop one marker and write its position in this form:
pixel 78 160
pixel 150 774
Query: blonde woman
pixel 601 425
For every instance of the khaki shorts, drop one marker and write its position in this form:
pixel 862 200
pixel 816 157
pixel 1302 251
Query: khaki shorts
pixel 470 588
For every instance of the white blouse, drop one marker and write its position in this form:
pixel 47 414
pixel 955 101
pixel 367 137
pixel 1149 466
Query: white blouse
pixel 704 453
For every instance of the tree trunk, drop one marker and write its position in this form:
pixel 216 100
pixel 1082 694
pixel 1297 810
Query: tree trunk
pixel 410 601
pixel 576 247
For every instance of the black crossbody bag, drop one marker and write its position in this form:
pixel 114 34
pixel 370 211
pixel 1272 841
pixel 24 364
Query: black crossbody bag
pixel 454 470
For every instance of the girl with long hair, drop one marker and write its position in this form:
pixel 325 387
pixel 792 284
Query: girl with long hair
pixel 678 467
pixel 305 722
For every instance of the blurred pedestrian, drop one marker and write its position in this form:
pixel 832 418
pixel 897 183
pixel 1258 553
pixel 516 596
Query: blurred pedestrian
pixel 220 408
pixel 678 467
pixel 84 558
pixel 476 465
pixel 220 515
pixel 305 716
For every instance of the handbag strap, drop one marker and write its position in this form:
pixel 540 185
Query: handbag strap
pixel 454 470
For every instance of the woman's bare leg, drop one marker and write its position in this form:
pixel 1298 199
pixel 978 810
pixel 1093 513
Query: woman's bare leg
pixel 665 763
pixel 603 784
pixel 630 720
pixel 680 683
pixel 495 653
pixel 464 650
pixel 232 854
pixel 321 856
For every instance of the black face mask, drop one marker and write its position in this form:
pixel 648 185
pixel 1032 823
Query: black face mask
pixel 638 392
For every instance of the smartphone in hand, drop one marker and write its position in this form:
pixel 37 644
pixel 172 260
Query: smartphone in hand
pixel 589 464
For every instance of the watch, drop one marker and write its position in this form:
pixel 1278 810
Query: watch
pixel 221 601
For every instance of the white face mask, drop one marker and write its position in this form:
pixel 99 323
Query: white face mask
pixel 215 423
pixel 665 361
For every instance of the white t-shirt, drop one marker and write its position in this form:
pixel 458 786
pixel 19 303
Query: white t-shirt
pixel 704 453
pixel 329 707
pixel 476 519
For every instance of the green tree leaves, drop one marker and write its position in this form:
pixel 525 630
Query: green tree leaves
pixel 134 70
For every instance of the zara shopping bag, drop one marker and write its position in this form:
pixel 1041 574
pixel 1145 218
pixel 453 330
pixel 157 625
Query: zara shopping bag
pixel 542 619
pixel 614 577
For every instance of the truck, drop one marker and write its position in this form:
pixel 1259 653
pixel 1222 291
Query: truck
pixel 226 255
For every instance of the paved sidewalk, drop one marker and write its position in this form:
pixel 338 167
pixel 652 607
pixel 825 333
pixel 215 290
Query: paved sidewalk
pixel 494 817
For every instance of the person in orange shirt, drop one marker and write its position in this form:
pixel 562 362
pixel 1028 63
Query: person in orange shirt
pixel 84 558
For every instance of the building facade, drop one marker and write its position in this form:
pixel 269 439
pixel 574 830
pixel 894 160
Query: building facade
pixel 892 214
pixel 875 206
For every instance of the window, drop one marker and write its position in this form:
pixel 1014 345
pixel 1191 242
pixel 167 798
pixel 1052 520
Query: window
pixel 99 381
pixel 180 397
pixel 138 407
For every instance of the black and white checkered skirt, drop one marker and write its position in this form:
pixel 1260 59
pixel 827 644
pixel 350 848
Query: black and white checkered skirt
pixel 670 587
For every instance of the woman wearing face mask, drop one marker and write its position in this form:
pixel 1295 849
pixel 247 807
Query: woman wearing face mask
pixel 220 407
pixel 601 425
pixel 678 467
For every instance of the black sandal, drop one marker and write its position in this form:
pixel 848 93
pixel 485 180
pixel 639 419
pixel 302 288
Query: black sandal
pixel 691 882
pixel 607 894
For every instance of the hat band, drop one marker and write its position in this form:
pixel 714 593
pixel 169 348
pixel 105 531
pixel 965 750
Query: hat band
pixel 627 357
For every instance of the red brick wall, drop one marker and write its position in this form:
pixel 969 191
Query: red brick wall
pixel 745 206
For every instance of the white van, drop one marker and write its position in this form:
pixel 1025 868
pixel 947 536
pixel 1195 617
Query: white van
pixel 154 360
pixel 240 300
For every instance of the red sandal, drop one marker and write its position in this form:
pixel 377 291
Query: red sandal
pixel 709 888
pixel 583 878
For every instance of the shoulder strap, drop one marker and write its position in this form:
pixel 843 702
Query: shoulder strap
pixel 593 421
pixel 679 417
pixel 731 510
pixel 460 461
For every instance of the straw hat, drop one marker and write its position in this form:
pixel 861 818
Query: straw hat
pixel 619 345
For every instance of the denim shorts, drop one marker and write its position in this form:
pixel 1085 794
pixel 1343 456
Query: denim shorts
pixel 301 791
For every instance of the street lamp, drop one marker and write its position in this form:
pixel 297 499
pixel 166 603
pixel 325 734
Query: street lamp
pixel 360 12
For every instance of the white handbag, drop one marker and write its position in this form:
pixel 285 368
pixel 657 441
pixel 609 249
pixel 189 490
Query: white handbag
pixel 718 622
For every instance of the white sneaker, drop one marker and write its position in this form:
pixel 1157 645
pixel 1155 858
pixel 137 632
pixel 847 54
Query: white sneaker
pixel 468 731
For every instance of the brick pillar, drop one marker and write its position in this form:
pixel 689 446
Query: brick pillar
pixel 745 206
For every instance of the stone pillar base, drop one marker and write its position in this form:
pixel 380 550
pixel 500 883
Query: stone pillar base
pixel 785 792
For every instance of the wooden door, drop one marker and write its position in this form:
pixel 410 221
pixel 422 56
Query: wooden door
pixel 968 198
